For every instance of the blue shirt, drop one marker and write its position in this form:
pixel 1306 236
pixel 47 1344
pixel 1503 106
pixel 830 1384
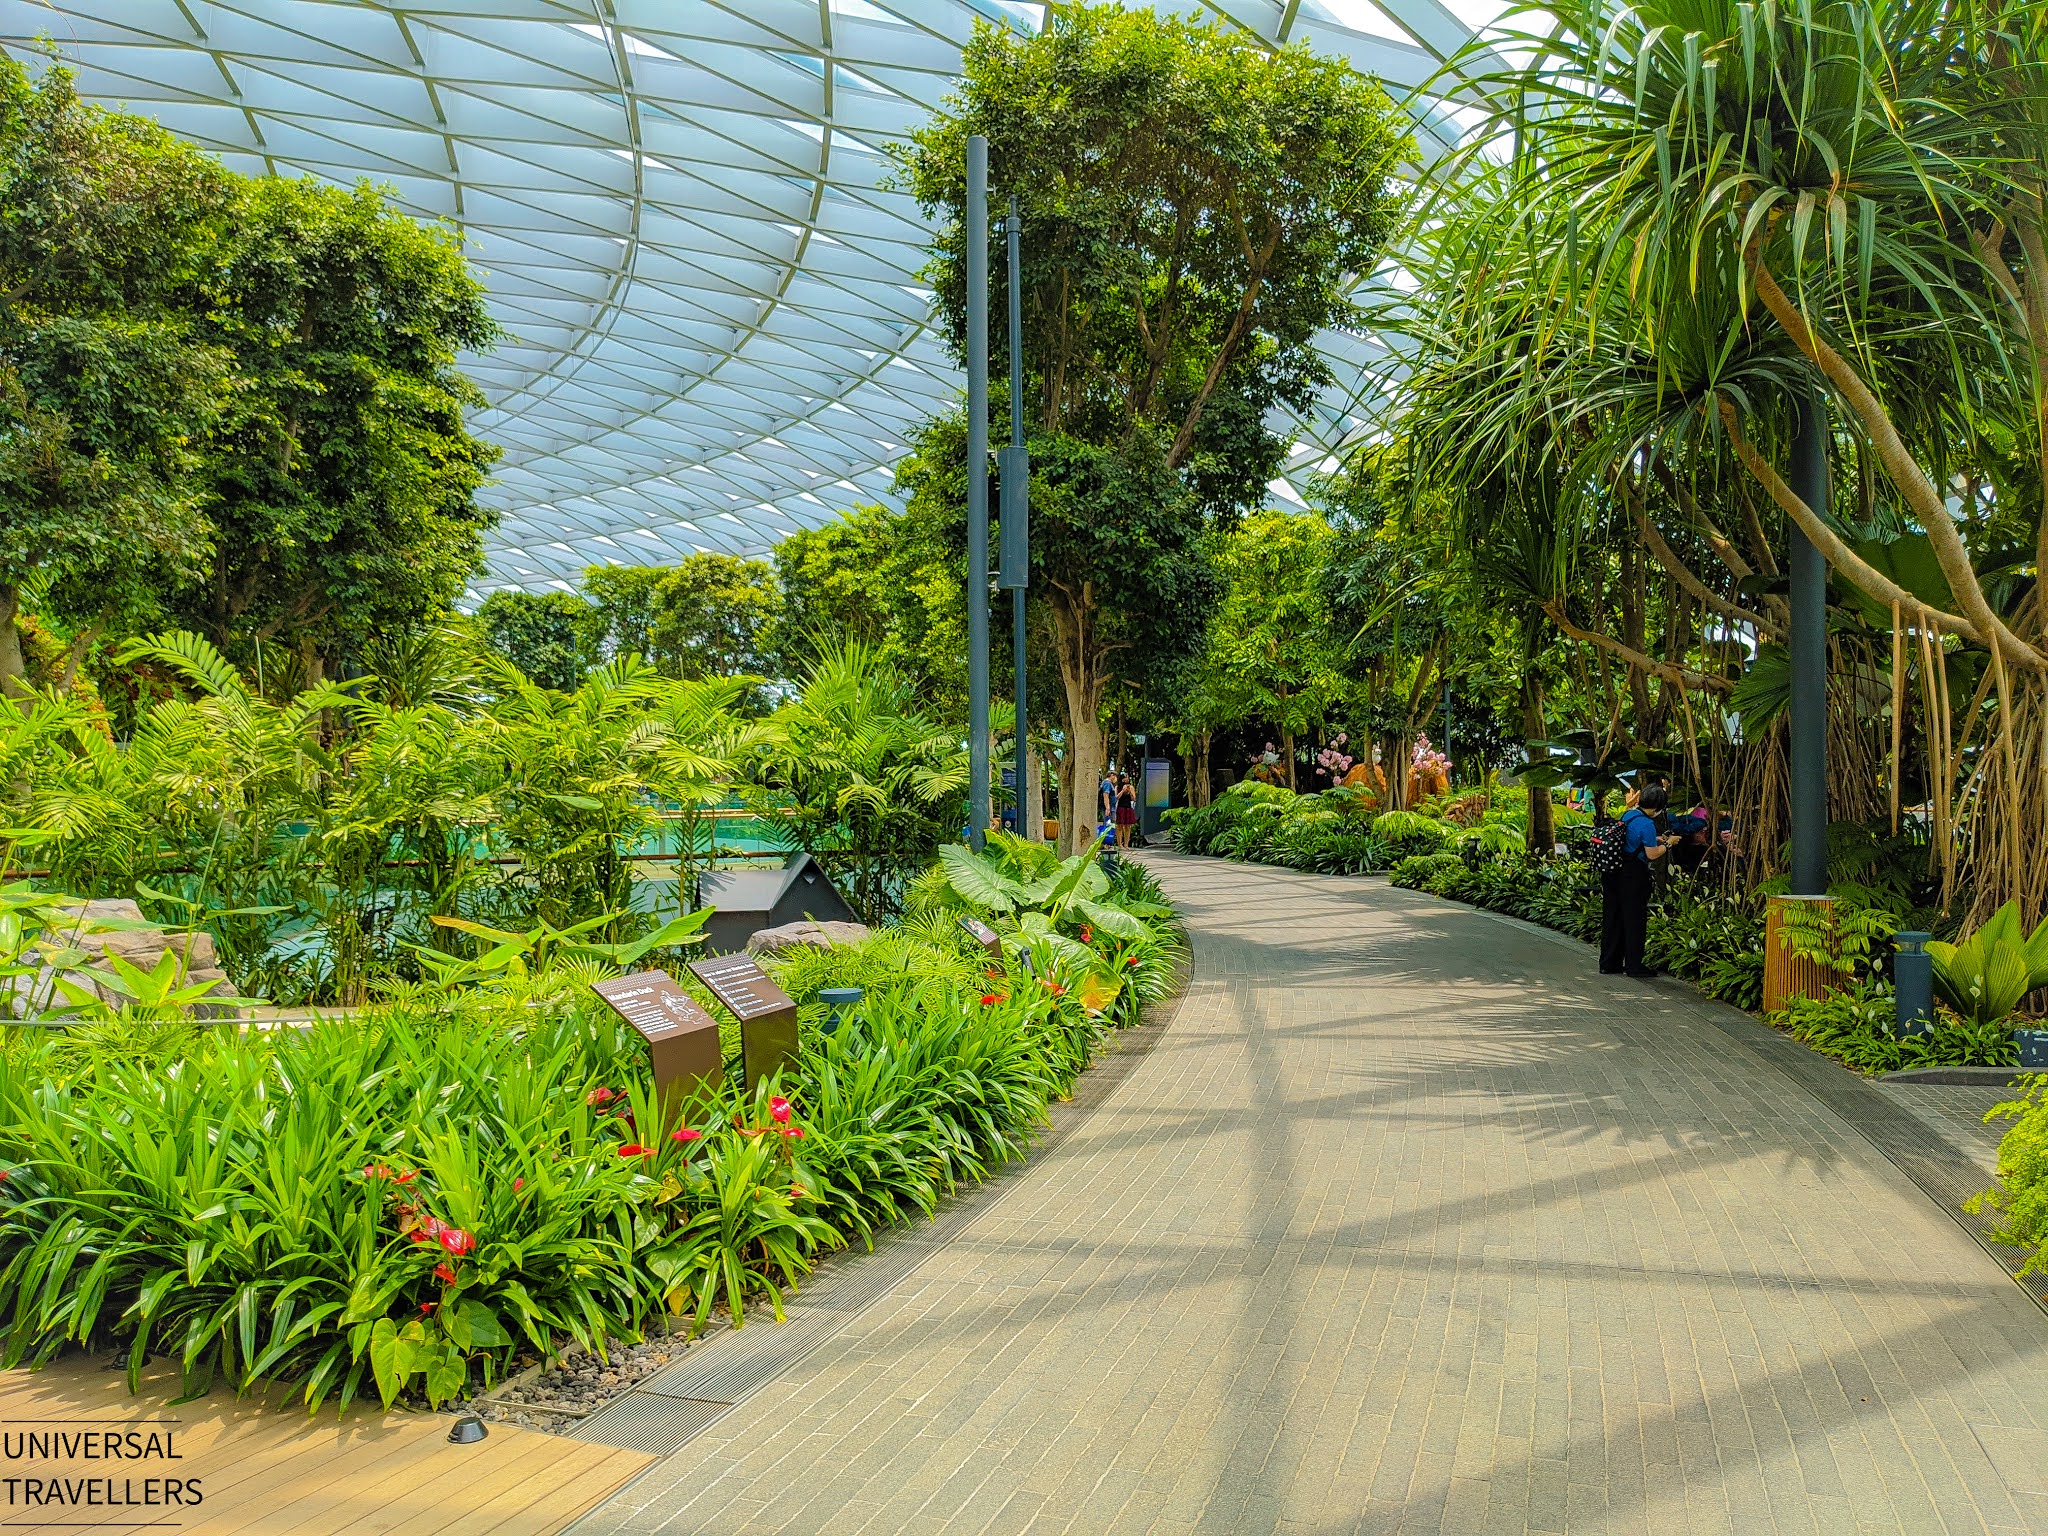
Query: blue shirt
pixel 1639 833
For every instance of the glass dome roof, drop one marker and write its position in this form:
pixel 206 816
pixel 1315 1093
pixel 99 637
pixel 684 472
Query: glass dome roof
pixel 714 329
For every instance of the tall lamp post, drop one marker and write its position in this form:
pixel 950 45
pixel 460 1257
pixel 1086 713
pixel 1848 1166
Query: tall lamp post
pixel 1015 464
pixel 977 490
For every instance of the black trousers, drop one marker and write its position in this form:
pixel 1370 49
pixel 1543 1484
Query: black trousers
pixel 1624 916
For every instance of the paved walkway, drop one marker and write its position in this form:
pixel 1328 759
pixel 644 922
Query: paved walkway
pixel 1412 1223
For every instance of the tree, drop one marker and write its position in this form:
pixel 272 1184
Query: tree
pixel 884 580
pixel 106 377
pixel 1680 225
pixel 543 634
pixel 714 617
pixel 1271 653
pixel 342 478
pixel 1194 208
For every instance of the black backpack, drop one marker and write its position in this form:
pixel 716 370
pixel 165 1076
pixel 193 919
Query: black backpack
pixel 1607 851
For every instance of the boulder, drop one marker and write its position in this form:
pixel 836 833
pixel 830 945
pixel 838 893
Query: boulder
pixel 142 947
pixel 767 941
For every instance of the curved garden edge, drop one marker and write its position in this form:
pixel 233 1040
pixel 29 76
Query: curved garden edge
pixel 758 1355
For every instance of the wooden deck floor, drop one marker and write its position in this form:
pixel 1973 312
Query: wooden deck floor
pixel 272 1471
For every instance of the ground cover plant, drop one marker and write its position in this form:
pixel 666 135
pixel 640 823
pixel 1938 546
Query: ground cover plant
pixel 406 1201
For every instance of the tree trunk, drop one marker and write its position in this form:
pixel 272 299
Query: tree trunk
pixel 1542 834
pixel 1199 793
pixel 1082 680
pixel 1287 755
pixel 13 670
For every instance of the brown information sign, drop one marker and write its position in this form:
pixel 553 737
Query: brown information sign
pixel 983 935
pixel 682 1039
pixel 767 1014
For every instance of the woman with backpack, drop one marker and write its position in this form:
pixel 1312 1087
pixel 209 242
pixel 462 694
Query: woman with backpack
pixel 1621 853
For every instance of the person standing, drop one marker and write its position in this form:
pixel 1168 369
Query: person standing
pixel 1625 891
pixel 1105 798
pixel 1126 812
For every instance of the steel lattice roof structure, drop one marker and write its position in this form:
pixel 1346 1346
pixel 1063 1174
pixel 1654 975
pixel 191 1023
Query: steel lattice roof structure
pixel 715 332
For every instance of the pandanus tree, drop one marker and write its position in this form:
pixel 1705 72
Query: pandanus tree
pixel 1682 221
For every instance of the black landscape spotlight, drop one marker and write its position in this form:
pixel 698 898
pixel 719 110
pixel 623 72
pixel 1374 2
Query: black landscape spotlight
pixel 468 1430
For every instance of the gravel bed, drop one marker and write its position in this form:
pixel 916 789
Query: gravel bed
pixel 555 1399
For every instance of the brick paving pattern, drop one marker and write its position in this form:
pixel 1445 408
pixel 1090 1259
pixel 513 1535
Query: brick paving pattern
pixel 1411 1223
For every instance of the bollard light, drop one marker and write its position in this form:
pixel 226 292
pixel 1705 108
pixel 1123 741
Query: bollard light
pixel 1913 985
pixel 837 1000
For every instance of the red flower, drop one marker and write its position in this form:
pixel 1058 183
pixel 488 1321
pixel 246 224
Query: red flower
pixel 1130 959
pixel 792 1133
pixel 1087 934
pixel 405 1178
pixel 597 1098
pixel 634 1149
pixel 798 1192
pixel 993 974
pixel 990 999
pixel 376 1171
pixel 1055 988
pixel 518 1185
pixel 457 1241
pixel 426 1309
pixel 686 1135
pixel 445 1272
pixel 778 1111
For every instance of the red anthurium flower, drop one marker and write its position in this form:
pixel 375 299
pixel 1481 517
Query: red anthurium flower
pixel 792 1133
pixel 445 1272
pixel 426 1309
pixel 778 1111
pixel 686 1134
pixel 457 1241
pixel 634 1149
pixel 597 1098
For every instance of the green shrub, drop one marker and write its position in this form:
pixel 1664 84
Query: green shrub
pixel 409 1199
pixel 2021 1197
pixel 1855 1026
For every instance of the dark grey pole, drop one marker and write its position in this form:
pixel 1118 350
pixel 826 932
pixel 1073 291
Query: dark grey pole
pixel 1016 547
pixel 977 489
pixel 1809 708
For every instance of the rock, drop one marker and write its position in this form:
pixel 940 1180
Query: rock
pixel 142 947
pixel 818 935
